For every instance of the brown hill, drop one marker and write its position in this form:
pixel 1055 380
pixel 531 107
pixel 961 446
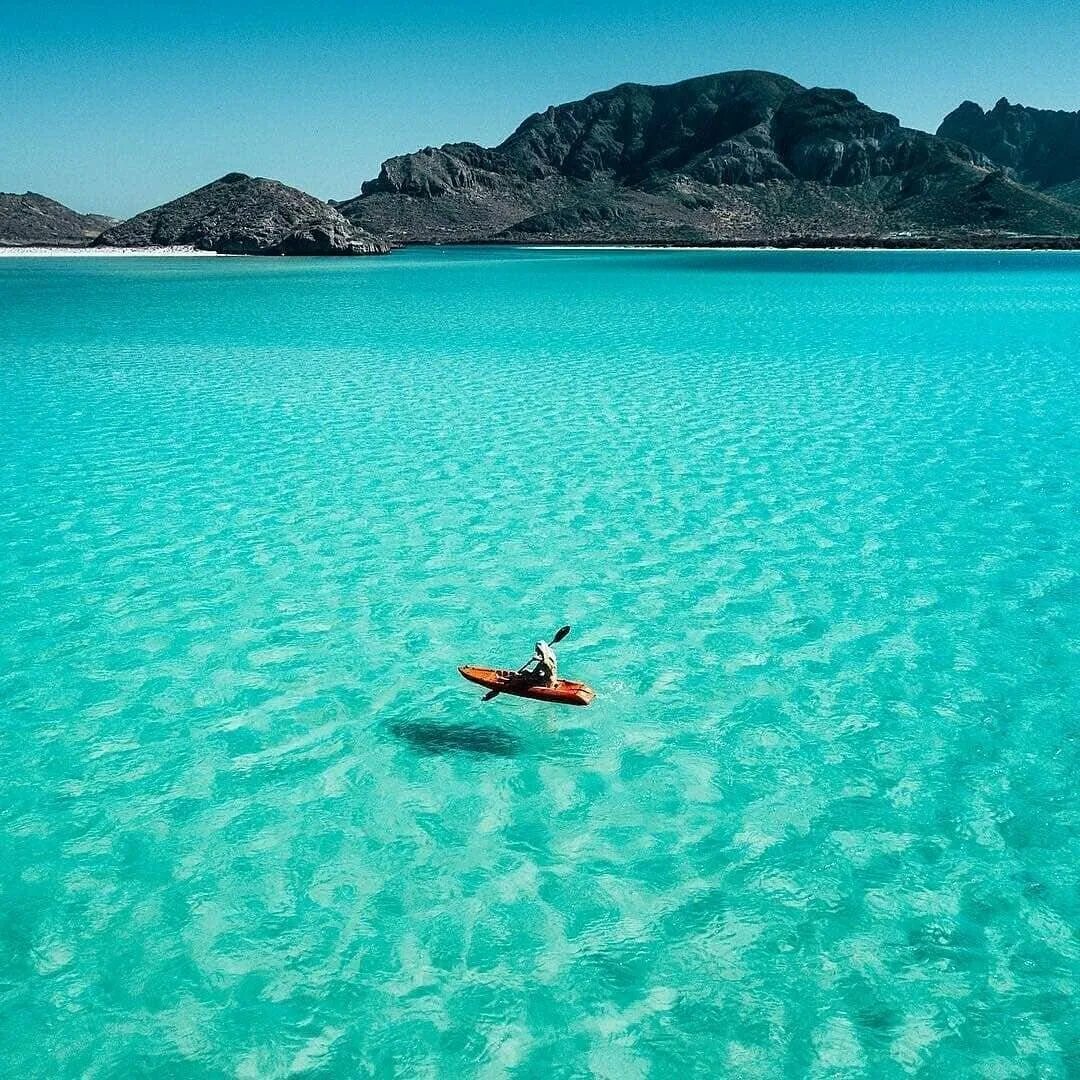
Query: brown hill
pixel 245 215
pixel 32 219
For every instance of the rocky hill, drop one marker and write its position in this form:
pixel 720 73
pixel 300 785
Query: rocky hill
pixel 1041 147
pixel 745 155
pixel 32 219
pixel 246 215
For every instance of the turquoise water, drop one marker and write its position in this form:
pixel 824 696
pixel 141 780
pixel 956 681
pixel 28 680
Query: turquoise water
pixel 815 520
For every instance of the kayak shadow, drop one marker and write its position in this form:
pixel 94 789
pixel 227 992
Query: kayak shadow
pixel 429 738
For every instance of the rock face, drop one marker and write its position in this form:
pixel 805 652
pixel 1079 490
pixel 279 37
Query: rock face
pixel 744 155
pixel 31 219
pixel 1040 147
pixel 246 215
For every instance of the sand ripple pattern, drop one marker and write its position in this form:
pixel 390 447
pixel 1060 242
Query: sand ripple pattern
pixel 816 521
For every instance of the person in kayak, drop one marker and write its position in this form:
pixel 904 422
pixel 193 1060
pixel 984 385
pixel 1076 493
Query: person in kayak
pixel 546 672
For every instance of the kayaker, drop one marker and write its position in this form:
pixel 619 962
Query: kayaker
pixel 546 672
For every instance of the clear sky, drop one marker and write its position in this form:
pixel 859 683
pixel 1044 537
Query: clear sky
pixel 117 106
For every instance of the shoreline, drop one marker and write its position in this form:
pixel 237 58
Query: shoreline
pixel 802 244
pixel 765 247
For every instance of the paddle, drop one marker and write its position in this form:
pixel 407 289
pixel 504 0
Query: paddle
pixel 559 635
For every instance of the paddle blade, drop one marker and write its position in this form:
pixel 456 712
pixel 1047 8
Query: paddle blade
pixel 489 695
pixel 560 634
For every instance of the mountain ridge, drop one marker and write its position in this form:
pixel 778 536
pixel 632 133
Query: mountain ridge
pixel 742 155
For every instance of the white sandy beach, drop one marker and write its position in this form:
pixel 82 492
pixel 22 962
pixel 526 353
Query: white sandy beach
pixel 94 253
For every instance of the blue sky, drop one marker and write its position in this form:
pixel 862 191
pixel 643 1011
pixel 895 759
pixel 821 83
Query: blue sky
pixel 115 106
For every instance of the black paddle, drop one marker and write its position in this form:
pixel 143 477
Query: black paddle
pixel 559 635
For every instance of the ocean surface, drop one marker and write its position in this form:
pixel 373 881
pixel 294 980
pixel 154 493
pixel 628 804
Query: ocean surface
pixel 815 521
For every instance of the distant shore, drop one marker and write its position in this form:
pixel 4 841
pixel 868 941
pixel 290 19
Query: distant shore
pixel 794 243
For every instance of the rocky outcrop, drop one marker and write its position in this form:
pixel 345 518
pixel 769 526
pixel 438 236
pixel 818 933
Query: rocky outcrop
pixel 246 215
pixel 1040 147
pixel 745 155
pixel 32 219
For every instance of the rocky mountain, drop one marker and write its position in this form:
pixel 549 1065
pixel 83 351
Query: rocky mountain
pixel 246 215
pixel 741 156
pixel 1040 147
pixel 31 219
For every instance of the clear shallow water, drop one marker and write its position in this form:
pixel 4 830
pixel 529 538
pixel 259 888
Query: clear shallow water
pixel 815 520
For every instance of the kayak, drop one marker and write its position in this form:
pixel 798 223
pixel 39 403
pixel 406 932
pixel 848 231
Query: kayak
pixel 563 692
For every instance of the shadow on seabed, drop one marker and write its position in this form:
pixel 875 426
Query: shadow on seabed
pixel 431 738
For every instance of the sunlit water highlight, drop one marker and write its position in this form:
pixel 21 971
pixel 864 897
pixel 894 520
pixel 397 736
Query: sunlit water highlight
pixel 816 523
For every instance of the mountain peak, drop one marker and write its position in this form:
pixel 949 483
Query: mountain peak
pixel 1040 146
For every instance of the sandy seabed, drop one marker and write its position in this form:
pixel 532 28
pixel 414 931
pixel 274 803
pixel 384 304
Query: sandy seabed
pixel 818 820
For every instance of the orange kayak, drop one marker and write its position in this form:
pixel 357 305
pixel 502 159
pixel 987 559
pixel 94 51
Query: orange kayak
pixel 564 692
